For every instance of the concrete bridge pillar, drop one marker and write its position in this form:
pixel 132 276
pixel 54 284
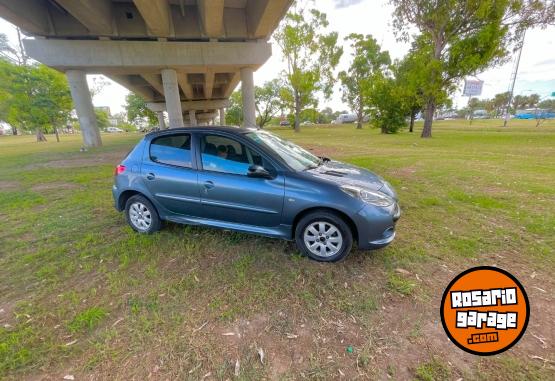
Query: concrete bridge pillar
pixel 192 117
pixel 247 90
pixel 83 105
pixel 222 116
pixel 161 121
pixel 173 101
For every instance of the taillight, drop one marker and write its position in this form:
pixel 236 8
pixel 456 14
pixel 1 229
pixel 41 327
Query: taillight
pixel 119 170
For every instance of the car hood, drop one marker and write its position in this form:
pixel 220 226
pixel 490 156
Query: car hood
pixel 346 174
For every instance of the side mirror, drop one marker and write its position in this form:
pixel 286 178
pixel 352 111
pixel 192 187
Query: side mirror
pixel 256 171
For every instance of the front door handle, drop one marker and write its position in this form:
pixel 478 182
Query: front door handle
pixel 209 184
pixel 150 176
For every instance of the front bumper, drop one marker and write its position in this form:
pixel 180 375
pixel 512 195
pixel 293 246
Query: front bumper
pixel 376 226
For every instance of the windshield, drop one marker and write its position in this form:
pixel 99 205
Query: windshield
pixel 296 157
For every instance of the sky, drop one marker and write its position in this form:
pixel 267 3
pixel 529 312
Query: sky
pixel 536 73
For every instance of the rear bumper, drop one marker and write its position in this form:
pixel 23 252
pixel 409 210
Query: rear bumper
pixel 115 195
pixel 376 226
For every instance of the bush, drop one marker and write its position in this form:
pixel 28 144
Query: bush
pixel 388 110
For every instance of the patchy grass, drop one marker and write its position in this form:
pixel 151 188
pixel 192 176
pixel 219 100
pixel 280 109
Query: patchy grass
pixel 433 370
pixel 87 320
pixel 399 284
pixel 80 292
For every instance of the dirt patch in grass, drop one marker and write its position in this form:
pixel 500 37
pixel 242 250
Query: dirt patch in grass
pixel 91 160
pixel 7 313
pixel 7 185
pixel 58 185
pixel 404 172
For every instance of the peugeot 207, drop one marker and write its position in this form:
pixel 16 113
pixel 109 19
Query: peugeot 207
pixel 253 181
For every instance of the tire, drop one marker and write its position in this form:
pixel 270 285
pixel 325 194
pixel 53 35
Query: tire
pixel 141 215
pixel 324 236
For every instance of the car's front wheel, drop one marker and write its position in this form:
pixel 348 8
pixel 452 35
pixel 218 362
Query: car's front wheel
pixel 141 215
pixel 324 236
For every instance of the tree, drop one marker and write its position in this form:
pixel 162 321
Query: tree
pixel 462 38
pixel 101 118
pixel 234 113
pixel 136 109
pixel 368 63
pixel 15 54
pixel 387 110
pixel 326 116
pixel 533 100
pixel 410 81
pixel 39 97
pixel 267 101
pixel 99 83
pixel 311 55
pixel 547 104
pixel 500 102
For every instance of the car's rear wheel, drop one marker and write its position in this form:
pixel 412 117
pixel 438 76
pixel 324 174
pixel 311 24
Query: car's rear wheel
pixel 141 215
pixel 324 236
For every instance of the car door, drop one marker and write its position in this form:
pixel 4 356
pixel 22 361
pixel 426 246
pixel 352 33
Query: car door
pixel 169 172
pixel 227 193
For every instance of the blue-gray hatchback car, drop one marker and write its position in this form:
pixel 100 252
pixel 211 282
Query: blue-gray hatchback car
pixel 253 181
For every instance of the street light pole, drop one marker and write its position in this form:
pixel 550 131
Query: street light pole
pixel 513 80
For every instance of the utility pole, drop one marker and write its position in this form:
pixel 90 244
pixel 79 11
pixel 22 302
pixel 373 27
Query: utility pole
pixel 514 74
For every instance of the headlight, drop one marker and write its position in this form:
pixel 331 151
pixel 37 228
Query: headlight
pixel 368 196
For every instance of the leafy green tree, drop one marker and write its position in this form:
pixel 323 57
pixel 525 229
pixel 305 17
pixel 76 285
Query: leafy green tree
pixel 39 98
pixel 101 118
pixel 547 104
pixel 234 113
pixel 408 73
pixel 368 63
pixel 311 54
pixel 267 101
pixel 136 109
pixel 461 38
pixel 500 102
pixel 326 116
pixel 387 110
pixel 525 101
pixel 533 100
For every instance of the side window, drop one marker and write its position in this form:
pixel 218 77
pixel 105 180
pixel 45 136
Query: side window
pixel 221 154
pixel 172 149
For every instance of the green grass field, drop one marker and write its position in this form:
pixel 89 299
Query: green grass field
pixel 81 294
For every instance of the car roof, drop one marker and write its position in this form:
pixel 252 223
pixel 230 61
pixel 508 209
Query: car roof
pixel 229 129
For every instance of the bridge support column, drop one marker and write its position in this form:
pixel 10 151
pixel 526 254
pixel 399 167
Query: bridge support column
pixel 161 121
pixel 192 117
pixel 83 105
pixel 222 116
pixel 247 91
pixel 173 101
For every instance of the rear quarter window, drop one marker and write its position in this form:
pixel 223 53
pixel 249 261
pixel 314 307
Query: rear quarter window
pixel 172 150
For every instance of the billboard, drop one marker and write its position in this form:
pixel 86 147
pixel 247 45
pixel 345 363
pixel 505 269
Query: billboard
pixel 472 87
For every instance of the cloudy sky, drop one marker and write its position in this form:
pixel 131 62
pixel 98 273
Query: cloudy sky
pixel 536 74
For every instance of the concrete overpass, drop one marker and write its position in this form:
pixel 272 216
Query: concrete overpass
pixel 184 57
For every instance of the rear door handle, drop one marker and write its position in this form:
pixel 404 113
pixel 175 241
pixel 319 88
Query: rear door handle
pixel 209 184
pixel 150 176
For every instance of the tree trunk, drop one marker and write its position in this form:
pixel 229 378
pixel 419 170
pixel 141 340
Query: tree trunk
pixel 297 112
pixel 40 136
pixel 359 114
pixel 428 119
pixel 14 130
pixel 57 136
pixel 412 117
